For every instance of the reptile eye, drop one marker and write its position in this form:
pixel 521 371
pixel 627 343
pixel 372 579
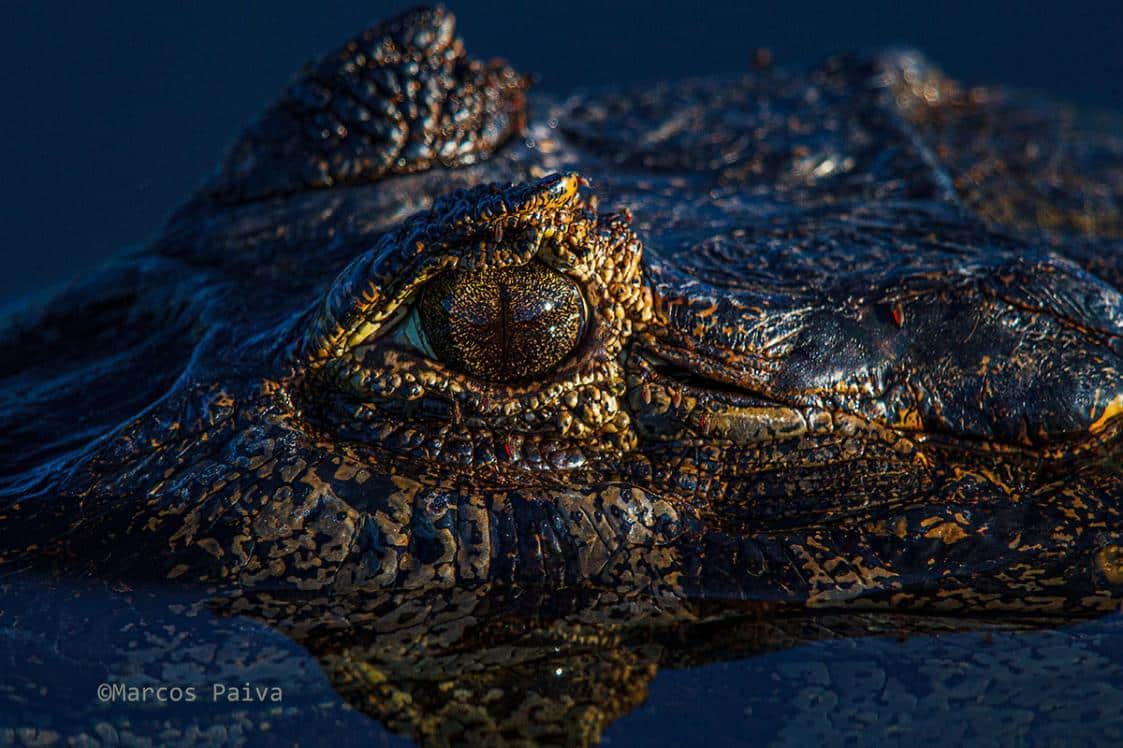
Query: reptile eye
pixel 503 324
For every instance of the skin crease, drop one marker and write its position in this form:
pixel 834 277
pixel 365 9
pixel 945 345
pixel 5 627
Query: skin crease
pixel 832 353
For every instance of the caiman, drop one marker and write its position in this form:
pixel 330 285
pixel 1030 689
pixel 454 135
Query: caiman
pixel 848 340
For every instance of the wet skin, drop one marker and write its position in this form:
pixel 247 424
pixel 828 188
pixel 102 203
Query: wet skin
pixel 777 327
pixel 849 338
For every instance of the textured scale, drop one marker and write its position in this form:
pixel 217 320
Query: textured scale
pixel 401 97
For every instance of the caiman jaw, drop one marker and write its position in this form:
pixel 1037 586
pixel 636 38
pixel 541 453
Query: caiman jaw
pixel 671 402
pixel 1022 354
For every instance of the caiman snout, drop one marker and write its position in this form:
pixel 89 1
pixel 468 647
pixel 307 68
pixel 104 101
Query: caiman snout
pixel 1023 352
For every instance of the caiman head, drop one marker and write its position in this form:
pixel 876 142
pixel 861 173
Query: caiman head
pixel 805 339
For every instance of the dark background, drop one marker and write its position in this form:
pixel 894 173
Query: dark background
pixel 114 112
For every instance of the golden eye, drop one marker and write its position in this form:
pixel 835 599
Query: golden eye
pixel 503 324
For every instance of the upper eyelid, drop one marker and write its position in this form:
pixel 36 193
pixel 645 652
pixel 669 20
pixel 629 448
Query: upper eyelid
pixel 372 286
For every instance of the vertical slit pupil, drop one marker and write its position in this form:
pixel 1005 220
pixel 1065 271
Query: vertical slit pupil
pixel 503 324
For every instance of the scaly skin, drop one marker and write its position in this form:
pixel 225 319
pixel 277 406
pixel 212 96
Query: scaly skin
pixel 855 339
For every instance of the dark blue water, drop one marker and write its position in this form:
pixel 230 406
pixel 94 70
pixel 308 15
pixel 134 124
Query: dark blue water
pixel 113 114
pixel 60 643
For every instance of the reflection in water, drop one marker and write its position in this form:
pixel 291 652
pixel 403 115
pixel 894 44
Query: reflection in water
pixel 489 666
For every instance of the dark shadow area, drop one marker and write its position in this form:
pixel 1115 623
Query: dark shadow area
pixel 113 116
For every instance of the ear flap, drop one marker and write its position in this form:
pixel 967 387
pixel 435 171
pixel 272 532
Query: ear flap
pixel 401 97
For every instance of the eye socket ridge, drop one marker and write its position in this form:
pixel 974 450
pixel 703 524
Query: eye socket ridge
pixel 548 263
